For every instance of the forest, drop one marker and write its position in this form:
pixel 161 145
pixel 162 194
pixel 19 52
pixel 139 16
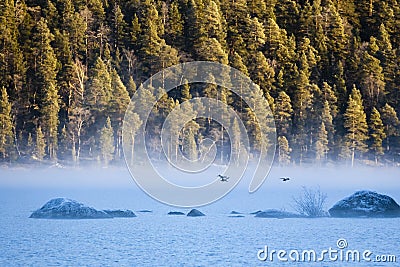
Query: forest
pixel 329 70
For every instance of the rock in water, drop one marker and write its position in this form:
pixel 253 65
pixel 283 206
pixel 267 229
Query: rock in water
pixel 175 213
pixel 272 213
pixel 120 213
pixel 255 212
pixel 235 212
pixel 195 213
pixel 64 208
pixel 366 204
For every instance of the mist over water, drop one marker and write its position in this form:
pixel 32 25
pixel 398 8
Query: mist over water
pixel 337 183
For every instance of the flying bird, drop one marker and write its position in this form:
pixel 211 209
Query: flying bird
pixel 223 178
pixel 284 179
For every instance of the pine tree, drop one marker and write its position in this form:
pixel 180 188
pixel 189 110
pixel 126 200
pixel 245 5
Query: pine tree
pixel 118 26
pixel 283 151
pixel 98 92
pixel 287 15
pixel 391 124
pixel 371 77
pixel 136 30
pixel 189 146
pixel 327 120
pixel 40 148
pixel 387 57
pixel 106 142
pixel 119 99
pixel 12 63
pixel 236 13
pixel 185 94
pixel 336 35
pixel 131 87
pixel 209 49
pixel 261 72
pixel 6 125
pixel 132 124
pixel 321 144
pixel 45 67
pixel 377 134
pixel 236 144
pixel 174 26
pixel 283 114
pixel 254 35
pixel 355 123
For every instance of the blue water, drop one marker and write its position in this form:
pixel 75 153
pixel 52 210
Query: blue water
pixel 156 239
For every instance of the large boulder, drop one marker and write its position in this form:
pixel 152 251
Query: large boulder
pixel 195 213
pixel 366 204
pixel 64 208
pixel 120 213
pixel 272 213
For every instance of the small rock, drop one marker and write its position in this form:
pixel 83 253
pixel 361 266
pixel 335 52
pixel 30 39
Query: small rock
pixel 195 213
pixel 235 212
pixel 236 216
pixel 255 212
pixel 175 213
pixel 120 213
pixel 272 213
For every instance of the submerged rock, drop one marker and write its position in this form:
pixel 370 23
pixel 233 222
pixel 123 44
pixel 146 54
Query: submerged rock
pixel 145 211
pixel 255 212
pixel 366 204
pixel 272 213
pixel 64 208
pixel 236 216
pixel 235 212
pixel 195 213
pixel 175 213
pixel 120 213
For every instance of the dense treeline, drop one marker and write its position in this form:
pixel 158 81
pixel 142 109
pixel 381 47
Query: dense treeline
pixel 329 70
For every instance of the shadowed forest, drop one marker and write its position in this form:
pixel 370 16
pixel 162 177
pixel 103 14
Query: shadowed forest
pixel 329 70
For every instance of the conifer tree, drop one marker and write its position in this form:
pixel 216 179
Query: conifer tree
pixel 391 124
pixel 355 123
pixel 174 26
pixel 321 144
pixel 98 92
pixel 12 64
pixel 106 142
pixel 287 15
pixel 189 146
pixel 371 77
pixel 119 26
pixel 6 125
pixel 235 141
pixel 261 72
pixel 327 120
pixel 132 124
pixel 119 100
pixel 377 134
pixel 283 151
pixel 387 57
pixel 40 147
pixel 185 95
pixel 283 114
pixel 131 87
pixel 45 79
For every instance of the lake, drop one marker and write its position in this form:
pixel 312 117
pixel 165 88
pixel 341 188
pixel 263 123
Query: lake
pixel 157 239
